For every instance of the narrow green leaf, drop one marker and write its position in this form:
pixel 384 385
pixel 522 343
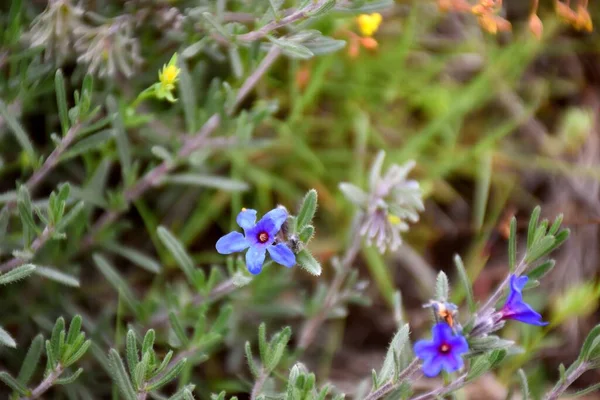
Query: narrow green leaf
pixel 165 362
pixel 139 372
pixel 17 274
pixel 69 379
pixel 50 355
pixel 120 375
pixel 396 347
pixel 178 328
pixel 533 223
pixel 307 233
pixel 216 182
pixel 442 287
pixel 31 360
pixel 250 359
pixel 524 384
pixel 167 376
pixel 55 339
pixel 307 211
pixel 540 248
pixel 308 262
pixel 215 24
pixel 14 384
pixel 555 225
pixel 4 217
pixel 6 339
pixel 263 344
pixel 541 270
pixel 138 258
pixel 69 216
pixel 18 131
pixel 116 281
pixel 466 282
pixel 132 352
pixel 589 343
pixel 61 101
pixel 78 354
pixel 57 276
pixel 148 343
pixel 588 390
pixel 292 49
pixel 177 249
pixel 74 329
pixel 478 367
pixel 188 97
pixel 91 143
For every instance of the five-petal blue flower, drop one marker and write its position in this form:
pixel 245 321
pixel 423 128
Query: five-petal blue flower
pixel 258 239
pixel 443 351
pixel 515 308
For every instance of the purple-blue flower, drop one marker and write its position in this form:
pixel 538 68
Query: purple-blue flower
pixel 258 239
pixel 443 351
pixel 515 308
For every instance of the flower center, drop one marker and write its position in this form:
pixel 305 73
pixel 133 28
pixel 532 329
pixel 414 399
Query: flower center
pixel 444 348
pixel 263 237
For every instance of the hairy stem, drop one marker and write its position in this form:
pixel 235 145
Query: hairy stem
pixel 392 385
pixel 276 24
pixel 258 385
pixel 452 386
pixel 311 326
pixel 35 246
pixel 45 384
pixel 569 379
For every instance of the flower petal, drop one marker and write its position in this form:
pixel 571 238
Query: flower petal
pixel 231 243
pixel 271 222
pixel 432 366
pixel 255 257
pixel 442 333
pixel 282 254
pixel 459 345
pixel 425 349
pixel 452 362
pixel 246 218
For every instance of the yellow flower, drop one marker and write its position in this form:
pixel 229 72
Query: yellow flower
pixel 368 24
pixel 168 75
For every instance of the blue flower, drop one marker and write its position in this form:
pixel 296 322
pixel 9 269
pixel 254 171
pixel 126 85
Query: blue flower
pixel 515 308
pixel 443 351
pixel 258 239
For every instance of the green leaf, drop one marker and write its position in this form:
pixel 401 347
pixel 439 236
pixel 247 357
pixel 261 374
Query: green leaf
pixel 74 329
pixel 585 391
pixel 307 233
pixel 69 216
pixel 119 375
pixel 132 352
pixel 164 363
pixel 123 147
pixel 250 359
pixel 466 282
pixel 17 273
pixel 138 258
pixel 308 262
pixel 14 384
pixel 140 370
pixel 55 339
pixel 178 328
pixel 555 225
pixel 31 360
pixel 533 223
pixel 17 130
pixel 215 24
pixel 167 376
pixel 396 347
pixel 512 244
pixel 479 367
pixel 442 288
pixel 308 208
pixel 61 101
pixel 116 281
pixel 50 355
pixel 69 379
pixel 216 182
pixel 177 249
pixel 78 354
pixel 524 384
pixel 26 213
pixel 589 343
pixel 292 49
pixel 188 98
pixel 6 339
pixel 92 142
pixel 541 270
pixel 57 276
pixel 263 344
pixel 148 343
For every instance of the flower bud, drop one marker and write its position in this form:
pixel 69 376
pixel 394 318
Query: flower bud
pixel 535 26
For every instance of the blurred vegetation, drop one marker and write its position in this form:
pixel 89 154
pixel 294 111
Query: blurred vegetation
pixel 117 192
